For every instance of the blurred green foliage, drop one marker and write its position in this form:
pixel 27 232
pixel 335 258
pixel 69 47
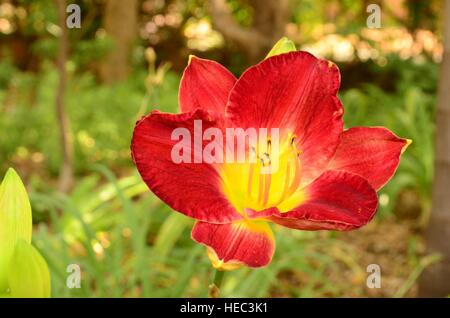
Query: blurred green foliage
pixel 102 117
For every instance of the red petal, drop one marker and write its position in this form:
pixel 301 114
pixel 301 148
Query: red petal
pixel 373 153
pixel 337 200
pixel 206 85
pixel 296 92
pixel 190 188
pixel 247 242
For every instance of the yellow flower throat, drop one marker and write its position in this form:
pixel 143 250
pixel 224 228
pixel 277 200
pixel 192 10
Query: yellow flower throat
pixel 272 180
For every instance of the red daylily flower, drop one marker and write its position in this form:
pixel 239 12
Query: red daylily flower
pixel 327 177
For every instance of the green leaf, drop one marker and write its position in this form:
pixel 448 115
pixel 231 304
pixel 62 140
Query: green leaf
pixel 28 274
pixel 284 45
pixel 169 234
pixel 15 220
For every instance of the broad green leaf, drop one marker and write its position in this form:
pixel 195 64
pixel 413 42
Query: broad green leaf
pixel 28 274
pixel 284 45
pixel 15 220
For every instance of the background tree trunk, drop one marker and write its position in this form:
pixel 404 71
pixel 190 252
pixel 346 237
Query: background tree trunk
pixel 120 23
pixel 65 181
pixel 268 26
pixel 435 282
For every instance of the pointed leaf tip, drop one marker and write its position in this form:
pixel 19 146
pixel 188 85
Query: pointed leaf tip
pixel 284 45
pixel 11 176
pixel 15 220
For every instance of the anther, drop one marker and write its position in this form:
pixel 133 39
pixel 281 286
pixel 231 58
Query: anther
pixel 265 159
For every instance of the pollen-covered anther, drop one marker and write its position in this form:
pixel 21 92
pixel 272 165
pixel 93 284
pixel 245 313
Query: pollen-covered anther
pixel 265 160
pixel 275 175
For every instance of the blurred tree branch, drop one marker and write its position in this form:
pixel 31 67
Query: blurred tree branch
pixel 435 280
pixel 65 181
pixel 395 9
pixel 120 23
pixel 269 20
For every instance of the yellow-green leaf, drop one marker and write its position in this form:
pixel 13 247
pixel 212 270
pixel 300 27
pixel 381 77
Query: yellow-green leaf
pixel 284 45
pixel 28 274
pixel 15 220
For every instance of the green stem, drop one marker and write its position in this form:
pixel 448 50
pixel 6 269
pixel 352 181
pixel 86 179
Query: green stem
pixel 218 277
pixel 214 287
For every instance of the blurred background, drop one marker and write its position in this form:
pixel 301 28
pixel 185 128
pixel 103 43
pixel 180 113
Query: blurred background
pixel 69 98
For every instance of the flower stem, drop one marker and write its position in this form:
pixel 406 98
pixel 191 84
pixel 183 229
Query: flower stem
pixel 214 287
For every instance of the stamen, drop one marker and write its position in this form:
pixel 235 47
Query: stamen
pixel 267 181
pixel 250 180
pixel 288 182
pixel 290 187
pixel 297 176
pixel 253 154
pixel 292 140
pixel 285 186
pixel 265 159
pixel 251 172
pixel 296 181
pixel 260 186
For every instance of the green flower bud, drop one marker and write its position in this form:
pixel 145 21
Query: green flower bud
pixel 15 221
pixel 28 274
pixel 284 45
